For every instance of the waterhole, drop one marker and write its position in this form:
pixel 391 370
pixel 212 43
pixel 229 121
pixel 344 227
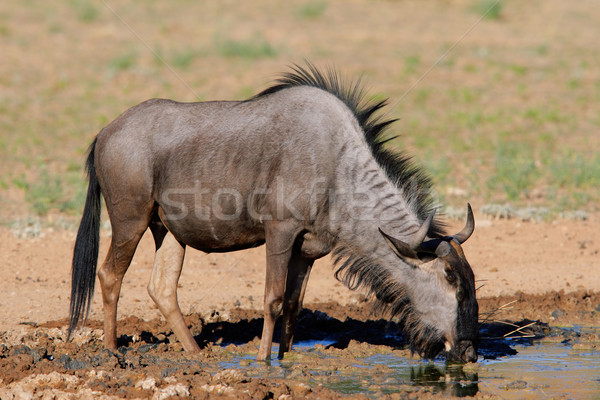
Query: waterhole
pixel 539 369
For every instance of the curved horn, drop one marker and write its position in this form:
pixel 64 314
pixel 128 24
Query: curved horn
pixel 419 236
pixel 467 231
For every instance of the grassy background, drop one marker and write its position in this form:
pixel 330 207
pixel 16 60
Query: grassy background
pixel 499 100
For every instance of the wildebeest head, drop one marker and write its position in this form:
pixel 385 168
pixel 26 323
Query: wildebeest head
pixel 441 297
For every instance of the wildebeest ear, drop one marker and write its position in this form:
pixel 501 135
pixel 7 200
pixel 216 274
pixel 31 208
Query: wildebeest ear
pixel 435 248
pixel 402 249
pixel 410 249
pixel 443 249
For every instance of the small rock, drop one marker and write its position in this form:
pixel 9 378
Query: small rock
pixel 177 390
pixel 218 389
pixel 146 384
pixel 245 363
pixel 103 357
pixel 161 337
pixel 300 389
pixel 168 371
pixel 230 376
pixel 69 363
pixel 22 350
pixel 456 191
pixel 162 347
pixel 515 385
pixel 146 348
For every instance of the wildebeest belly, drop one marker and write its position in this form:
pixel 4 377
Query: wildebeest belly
pixel 216 236
pixel 218 227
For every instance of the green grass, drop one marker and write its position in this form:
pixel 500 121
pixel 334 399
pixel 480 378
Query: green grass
pixel 86 10
pixel 574 83
pixel 422 95
pixel 572 170
pixel 411 64
pixel 312 9
pixel 4 31
pixel 20 182
pixel 44 194
pixel 123 62
pixel 542 49
pixel 463 95
pixel 547 114
pixel 246 92
pixel 255 48
pixel 489 9
pixel 64 193
pixel 519 70
pixel 184 58
pixel 515 170
pixel 439 168
pixel 570 180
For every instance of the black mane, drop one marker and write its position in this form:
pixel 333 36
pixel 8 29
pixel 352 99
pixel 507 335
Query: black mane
pixel 412 180
pixel 357 270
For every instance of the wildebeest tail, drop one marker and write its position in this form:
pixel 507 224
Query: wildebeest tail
pixel 85 253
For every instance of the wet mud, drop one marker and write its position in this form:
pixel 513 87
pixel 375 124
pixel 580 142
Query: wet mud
pixel 340 351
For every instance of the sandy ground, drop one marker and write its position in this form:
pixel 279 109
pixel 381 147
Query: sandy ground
pixel 507 256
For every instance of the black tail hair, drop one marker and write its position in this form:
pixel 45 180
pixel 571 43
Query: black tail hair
pixel 85 253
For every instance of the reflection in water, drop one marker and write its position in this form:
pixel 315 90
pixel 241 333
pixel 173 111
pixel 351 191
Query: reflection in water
pixel 451 379
pixel 539 370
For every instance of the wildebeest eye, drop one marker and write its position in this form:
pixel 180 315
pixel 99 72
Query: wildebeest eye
pixel 450 276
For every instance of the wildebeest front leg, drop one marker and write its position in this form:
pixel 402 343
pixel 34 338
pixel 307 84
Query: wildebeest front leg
pixel 168 263
pixel 297 277
pixel 279 240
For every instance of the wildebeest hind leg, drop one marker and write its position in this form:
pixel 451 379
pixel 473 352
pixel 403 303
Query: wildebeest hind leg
pixel 125 238
pixel 298 273
pixel 168 263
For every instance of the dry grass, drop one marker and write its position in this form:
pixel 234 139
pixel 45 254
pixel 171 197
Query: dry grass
pixel 502 109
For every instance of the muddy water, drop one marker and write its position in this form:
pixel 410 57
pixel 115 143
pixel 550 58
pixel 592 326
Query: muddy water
pixel 538 370
pixel 542 370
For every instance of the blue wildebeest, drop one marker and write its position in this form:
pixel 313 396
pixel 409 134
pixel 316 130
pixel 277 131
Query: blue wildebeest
pixel 300 167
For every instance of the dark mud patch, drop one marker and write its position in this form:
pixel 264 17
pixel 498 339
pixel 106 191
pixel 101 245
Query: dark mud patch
pixel 36 361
